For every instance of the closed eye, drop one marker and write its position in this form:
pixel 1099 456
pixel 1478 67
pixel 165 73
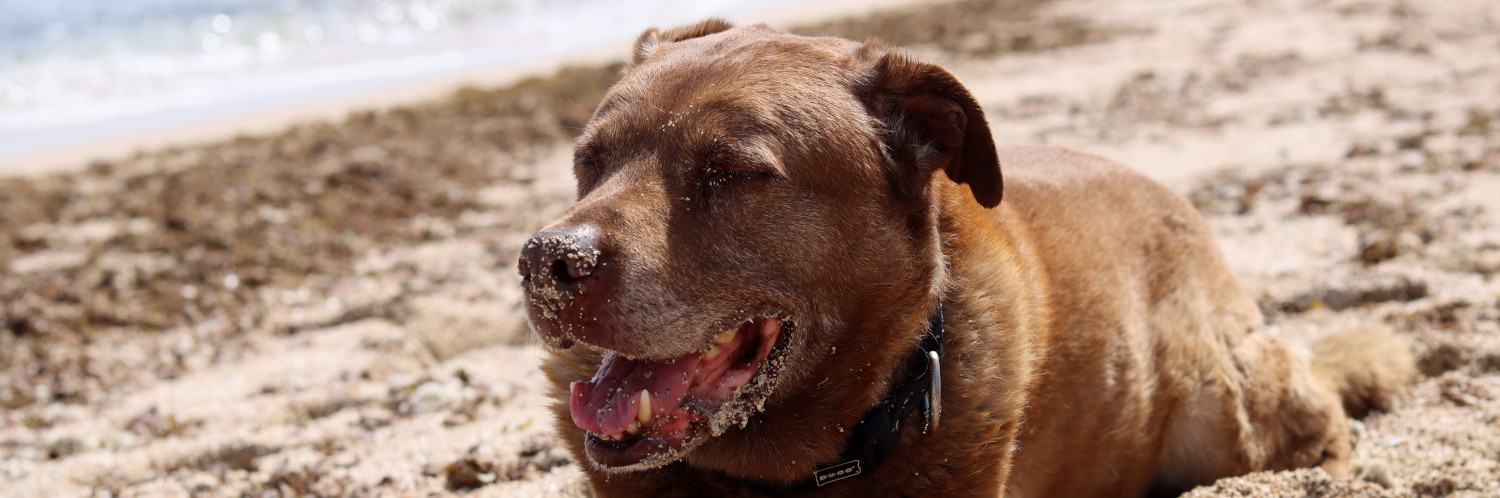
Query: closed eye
pixel 719 184
pixel 585 164
pixel 734 165
pixel 586 171
pixel 721 178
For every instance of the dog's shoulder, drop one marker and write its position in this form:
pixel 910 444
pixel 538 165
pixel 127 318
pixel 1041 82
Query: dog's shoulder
pixel 1053 167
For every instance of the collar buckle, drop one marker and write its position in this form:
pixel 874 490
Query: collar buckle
pixel 933 404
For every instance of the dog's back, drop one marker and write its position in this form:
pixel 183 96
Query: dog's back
pixel 1155 350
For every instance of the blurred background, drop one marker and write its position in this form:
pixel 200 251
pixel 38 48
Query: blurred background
pixel 79 71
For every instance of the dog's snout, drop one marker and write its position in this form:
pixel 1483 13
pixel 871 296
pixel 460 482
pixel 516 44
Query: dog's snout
pixel 560 257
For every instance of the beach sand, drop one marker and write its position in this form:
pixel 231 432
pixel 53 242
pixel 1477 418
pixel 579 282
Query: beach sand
pixel 331 308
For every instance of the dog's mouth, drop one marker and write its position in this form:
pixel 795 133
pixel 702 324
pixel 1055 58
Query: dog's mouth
pixel 646 413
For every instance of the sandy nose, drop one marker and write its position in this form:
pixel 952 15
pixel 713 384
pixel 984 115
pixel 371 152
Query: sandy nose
pixel 560 258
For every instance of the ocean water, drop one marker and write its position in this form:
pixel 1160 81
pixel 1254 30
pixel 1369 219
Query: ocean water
pixel 74 71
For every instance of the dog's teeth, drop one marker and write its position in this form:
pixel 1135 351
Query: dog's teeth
pixel 643 410
pixel 726 336
pixel 633 428
pixel 713 351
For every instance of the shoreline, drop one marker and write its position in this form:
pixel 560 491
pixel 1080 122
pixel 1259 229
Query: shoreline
pixel 72 148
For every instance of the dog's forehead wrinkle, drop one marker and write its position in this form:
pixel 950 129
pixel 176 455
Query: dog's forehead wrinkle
pixel 707 142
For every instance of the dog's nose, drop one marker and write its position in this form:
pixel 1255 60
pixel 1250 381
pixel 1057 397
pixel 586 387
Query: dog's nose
pixel 568 285
pixel 560 258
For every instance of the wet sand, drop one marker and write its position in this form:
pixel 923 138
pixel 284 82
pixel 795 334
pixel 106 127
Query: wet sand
pixel 332 308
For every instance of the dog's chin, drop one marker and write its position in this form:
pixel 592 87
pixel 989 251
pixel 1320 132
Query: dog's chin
pixel 640 414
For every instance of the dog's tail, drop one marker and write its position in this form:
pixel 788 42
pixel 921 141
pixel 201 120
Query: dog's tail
pixel 1369 366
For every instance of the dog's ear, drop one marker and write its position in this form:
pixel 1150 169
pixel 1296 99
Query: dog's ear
pixel 654 38
pixel 932 121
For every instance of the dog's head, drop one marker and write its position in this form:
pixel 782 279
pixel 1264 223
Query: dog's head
pixel 754 248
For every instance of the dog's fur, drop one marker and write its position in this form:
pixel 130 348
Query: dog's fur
pixel 1097 345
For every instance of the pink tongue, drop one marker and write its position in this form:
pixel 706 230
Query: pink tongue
pixel 607 403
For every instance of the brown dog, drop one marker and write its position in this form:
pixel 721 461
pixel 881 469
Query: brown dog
pixel 779 239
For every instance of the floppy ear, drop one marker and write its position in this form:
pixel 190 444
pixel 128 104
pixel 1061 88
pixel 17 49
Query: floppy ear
pixel 932 121
pixel 654 38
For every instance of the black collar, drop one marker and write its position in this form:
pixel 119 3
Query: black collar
pixel 878 435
